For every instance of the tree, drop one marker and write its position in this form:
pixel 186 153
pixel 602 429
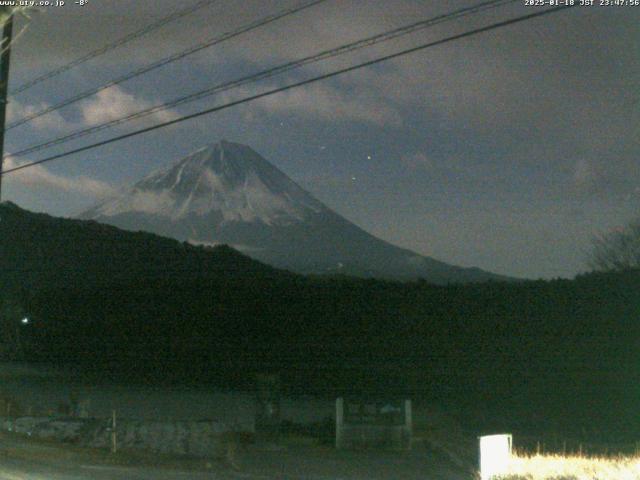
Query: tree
pixel 618 249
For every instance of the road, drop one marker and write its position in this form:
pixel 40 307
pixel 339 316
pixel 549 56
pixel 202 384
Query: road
pixel 22 459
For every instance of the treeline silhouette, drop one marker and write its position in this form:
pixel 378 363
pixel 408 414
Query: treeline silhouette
pixel 534 356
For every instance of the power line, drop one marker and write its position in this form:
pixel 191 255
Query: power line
pixel 167 60
pixel 318 78
pixel 271 72
pixel 118 43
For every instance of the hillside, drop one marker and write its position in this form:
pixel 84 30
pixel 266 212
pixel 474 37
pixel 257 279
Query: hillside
pixel 550 355
pixel 38 249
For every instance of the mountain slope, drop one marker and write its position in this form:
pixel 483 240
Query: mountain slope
pixel 37 249
pixel 227 193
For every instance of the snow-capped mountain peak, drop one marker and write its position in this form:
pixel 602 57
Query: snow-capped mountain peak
pixel 227 193
pixel 226 179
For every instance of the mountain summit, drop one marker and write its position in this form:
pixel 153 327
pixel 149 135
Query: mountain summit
pixel 228 193
pixel 225 182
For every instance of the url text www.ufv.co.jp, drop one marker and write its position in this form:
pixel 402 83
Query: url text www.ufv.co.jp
pixel 582 3
pixel 42 3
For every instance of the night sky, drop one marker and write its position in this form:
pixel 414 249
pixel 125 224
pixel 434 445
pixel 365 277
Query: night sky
pixel 508 151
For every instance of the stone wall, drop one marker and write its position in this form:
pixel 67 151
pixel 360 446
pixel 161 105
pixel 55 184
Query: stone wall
pixel 198 438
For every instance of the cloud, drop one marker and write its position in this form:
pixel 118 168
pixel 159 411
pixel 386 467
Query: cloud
pixel 41 177
pixel 591 178
pixel 157 203
pixel 107 105
pixel 489 82
pixel 332 104
pixel 53 121
pixel 114 103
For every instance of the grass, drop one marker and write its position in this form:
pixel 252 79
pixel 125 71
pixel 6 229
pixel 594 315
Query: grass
pixel 572 467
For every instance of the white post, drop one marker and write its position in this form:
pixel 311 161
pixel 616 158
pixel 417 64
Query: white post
pixel 408 422
pixel 339 422
pixel 114 438
pixel 495 453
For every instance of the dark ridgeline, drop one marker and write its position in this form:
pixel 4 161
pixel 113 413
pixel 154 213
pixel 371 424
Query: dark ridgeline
pixel 548 355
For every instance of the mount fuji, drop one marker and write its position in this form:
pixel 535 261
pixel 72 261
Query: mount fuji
pixel 226 193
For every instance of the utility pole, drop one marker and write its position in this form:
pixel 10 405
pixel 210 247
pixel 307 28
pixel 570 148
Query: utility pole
pixel 5 58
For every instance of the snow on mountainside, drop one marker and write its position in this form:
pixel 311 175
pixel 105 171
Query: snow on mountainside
pixel 228 193
pixel 227 178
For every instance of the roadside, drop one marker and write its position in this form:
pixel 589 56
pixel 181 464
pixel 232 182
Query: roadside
pixel 28 459
pixel 25 458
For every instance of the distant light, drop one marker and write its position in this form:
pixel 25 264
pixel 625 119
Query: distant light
pixel 25 320
pixel 368 157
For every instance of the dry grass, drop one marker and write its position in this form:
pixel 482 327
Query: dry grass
pixel 576 467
